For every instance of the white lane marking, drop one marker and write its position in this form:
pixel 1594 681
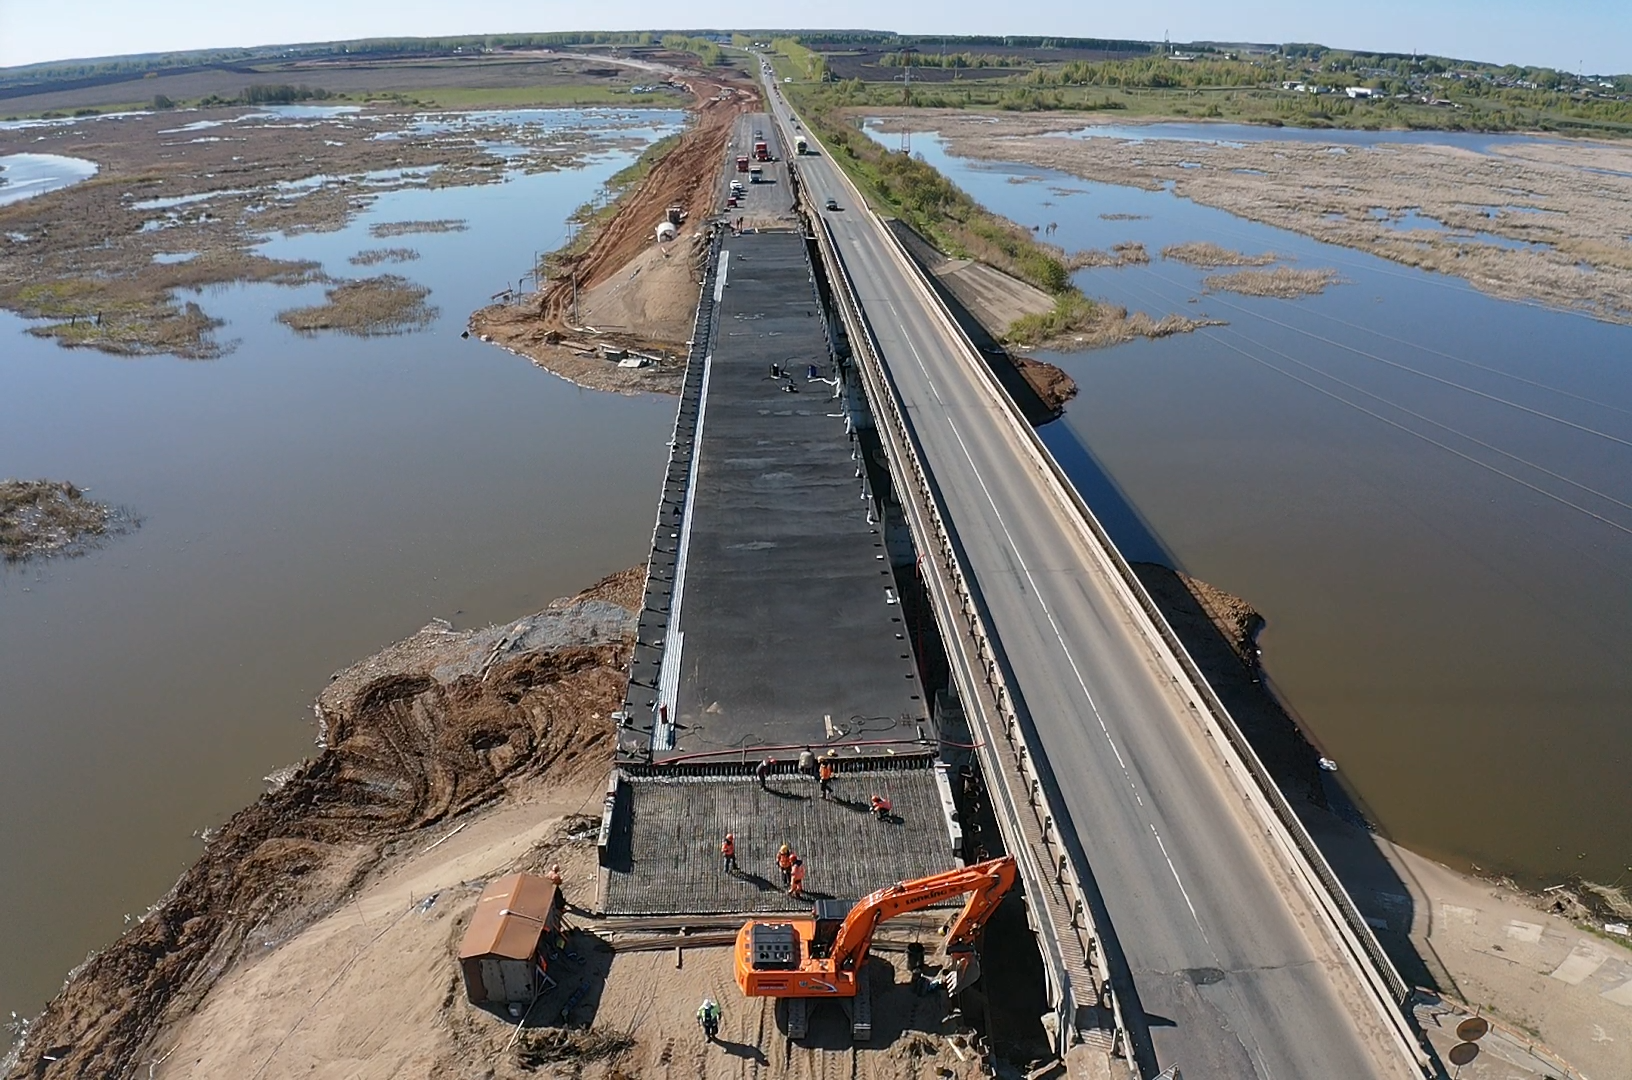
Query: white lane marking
pixel 1184 892
pixel 674 639
pixel 719 281
pixel 1059 635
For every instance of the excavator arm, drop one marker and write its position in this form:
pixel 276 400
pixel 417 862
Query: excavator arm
pixel 796 958
pixel 986 883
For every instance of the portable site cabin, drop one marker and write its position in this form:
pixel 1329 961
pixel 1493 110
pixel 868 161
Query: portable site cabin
pixel 504 955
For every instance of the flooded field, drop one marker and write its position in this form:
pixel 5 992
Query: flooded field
pixel 305 499
pixel 1426 490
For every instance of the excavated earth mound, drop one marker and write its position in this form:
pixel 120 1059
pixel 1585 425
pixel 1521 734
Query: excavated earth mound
pixel 415 735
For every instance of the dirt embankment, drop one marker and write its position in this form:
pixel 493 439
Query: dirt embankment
pixel 414 736
pixel 50 517
pixel 624 289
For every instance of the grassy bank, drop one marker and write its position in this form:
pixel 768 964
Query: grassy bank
pixel 938 209
pixel 916 192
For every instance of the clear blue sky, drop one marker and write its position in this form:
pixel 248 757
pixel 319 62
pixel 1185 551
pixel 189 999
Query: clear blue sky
pixel 1566 34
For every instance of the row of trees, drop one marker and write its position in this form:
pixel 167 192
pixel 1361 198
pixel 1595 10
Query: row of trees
pixel 704 49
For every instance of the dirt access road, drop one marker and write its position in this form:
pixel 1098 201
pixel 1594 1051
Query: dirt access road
pixel 622 288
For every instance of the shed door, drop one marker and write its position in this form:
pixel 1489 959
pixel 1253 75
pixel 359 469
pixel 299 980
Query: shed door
pixel 493 980
pixel 518 980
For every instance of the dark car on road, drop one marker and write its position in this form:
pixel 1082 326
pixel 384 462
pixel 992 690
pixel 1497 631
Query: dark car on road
pixel 832 204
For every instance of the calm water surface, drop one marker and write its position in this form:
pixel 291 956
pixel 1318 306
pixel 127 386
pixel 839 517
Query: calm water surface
pixel 306 500
pixel 1427 491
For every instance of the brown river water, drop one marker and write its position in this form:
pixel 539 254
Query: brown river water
pixel 305 502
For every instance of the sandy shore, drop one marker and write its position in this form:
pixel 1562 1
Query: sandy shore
pixel 1532 221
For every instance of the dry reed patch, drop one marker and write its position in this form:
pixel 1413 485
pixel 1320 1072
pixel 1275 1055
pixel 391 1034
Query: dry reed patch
pixel 1208 255
pixel 375 256
pixel 407 228
pixel 44 517
pixel 1128 253
pixel 372 307
pixel 1282 282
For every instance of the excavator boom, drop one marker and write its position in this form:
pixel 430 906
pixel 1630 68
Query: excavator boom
pixel 822 956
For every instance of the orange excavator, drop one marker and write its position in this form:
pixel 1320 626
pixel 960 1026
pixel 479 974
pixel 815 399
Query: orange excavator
pixel 825 956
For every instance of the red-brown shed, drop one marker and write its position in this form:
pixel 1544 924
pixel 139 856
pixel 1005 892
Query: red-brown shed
pixel 504 952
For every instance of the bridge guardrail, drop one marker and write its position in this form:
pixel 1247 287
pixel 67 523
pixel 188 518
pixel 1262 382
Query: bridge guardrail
pixel 1352 929
pixel 1362 940
pixel 931 528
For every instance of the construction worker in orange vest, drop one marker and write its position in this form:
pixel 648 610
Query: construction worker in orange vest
pixel 881 807
pixel 785 858
pixel 728 853
pixel 826 775
pixel 796 888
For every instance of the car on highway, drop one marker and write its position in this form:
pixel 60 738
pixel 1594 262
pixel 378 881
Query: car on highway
pixel 832 204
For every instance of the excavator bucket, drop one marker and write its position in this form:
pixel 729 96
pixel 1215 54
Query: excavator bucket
pixel 961 972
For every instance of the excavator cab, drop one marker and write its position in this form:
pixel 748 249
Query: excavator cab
pixel 829 917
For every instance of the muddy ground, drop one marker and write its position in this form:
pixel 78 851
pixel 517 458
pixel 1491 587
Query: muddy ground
pixel 1566 208
pixel 199 189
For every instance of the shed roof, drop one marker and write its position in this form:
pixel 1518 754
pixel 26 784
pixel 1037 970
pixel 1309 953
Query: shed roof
pixel 509 917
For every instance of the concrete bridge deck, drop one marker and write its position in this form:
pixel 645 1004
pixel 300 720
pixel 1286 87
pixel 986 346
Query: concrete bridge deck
pixel 771 615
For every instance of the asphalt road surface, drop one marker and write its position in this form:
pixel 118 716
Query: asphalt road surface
pixel 1233 974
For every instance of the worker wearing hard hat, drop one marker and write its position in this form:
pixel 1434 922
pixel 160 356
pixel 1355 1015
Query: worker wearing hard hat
pixel 796 887
pixel 785 858
pixel 708 1015
pixel 728 853
pixel 880 807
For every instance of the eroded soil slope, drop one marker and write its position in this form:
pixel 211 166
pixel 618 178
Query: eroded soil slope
pixel 415 735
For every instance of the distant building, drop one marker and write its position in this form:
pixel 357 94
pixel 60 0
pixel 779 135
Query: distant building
pixel 1363 92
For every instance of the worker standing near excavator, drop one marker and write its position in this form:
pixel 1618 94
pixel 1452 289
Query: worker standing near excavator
pixel 785 858
pixel 728 853
pixel 708 1016
pixel 796 887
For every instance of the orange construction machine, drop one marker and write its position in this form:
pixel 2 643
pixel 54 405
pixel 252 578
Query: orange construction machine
pixel 825 956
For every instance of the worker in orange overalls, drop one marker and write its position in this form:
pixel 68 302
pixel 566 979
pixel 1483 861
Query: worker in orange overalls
pixel 785 858
pixel 881 807
pixel 826 775
pixel 728 853
pixel 796 888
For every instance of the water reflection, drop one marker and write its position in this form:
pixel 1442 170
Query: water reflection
pixel 27 175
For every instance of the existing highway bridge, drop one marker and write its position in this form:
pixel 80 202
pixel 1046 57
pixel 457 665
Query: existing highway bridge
pixel 1229 953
